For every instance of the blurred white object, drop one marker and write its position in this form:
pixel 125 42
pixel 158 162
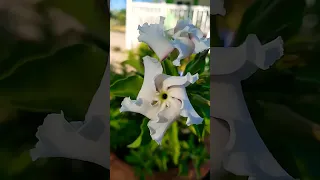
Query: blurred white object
pixel 20 18
pixel 236 145
pixel 63 23
pixel 87 141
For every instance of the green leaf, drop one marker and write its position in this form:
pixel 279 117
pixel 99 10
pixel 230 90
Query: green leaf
pixel 174 142
pixel 199 130
pixel 164 161
pixel 23 53
pixel 19 163
pixel 202 103
pixel 207 124
pixel 144 136
pixel 198 64
pixel 127 87
pixel 168 67
pixel 64 81
pixel 183 168
pixel 135 64
pixel 269 19
pixel 307 163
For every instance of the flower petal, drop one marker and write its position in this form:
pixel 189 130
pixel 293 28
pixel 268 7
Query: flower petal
pixel 154 36
pixel 179 92
pixel 227 60
pixel 200 44
pixel 181 24
pixel 53 137
pixel 58 138
pixel 179 81
pixel 246 58
pixel 167 117
pixel 141 106
pixel 247 155
pixel 267 54
pixel 185 47
pixel 152 68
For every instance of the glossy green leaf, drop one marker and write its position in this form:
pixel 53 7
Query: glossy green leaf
pixel 169 68
pixel 64 81
pixel 202 103
pixel 199 130
pixel 136 64
pixel 127 87
pixel 197 65
pixel 144 137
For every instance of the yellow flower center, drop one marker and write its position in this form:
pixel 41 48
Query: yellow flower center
pixel 163 96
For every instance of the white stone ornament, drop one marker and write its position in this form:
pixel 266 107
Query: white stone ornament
pixel 236 145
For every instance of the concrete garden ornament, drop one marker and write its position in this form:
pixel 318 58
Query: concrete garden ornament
pixel 235 143
pixel 163 98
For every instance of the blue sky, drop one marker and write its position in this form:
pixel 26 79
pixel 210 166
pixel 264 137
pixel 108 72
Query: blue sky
pixel 121 4
pixel 117 4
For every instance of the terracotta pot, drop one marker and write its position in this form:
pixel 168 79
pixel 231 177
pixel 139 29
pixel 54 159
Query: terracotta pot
pixel 122 171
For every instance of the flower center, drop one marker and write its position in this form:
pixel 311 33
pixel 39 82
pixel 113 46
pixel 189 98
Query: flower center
pixel 164 96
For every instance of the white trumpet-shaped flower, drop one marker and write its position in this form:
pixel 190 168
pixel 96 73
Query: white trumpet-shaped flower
pixel 237 146
pixel 185 37
pixel 162 99
pixel 83 140
pixel 86 141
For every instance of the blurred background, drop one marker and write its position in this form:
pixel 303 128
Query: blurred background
pixel 53 55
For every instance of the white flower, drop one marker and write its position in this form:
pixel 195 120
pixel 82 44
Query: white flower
pixel 162 99
pixel 246 58
pixel 83 140
pixel 86 141
pixel 241 152
pixel 185 37
pixel 185 28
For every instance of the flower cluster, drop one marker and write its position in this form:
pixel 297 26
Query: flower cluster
pixel 163 98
